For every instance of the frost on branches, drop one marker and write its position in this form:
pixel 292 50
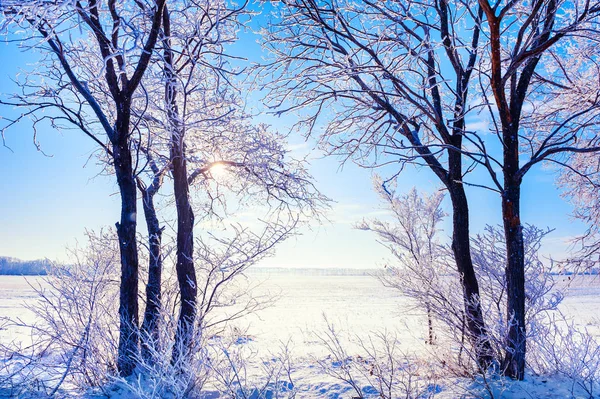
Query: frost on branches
pixel 423 270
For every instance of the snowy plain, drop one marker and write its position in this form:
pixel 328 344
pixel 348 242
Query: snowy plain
pixel 358 305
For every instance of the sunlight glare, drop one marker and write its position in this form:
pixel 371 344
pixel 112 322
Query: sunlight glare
pixel 218 171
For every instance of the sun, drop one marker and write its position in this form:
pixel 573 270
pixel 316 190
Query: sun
pixel 218 170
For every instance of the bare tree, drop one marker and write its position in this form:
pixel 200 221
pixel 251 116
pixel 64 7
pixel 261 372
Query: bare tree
pixel 150 325
pixel 421 271
pixel 186 274
pixel 581 183
pixel 545 105
pixel 412 238
pixel 391 82
pixel 194 105
pixel 120 38
pixel 375 361
pixel 184 112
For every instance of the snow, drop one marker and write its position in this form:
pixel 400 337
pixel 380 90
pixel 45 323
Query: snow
pixel 357 305
pixel 15 291
pixel 582 301
pixel 353 303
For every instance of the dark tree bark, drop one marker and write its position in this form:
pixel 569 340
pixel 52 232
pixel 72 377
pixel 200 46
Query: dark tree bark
pixel 186 274
pixel 461 239
pixel 122 76
pixel 149 331
pixel 461 248
pixel 516 81
pixel 121 88
pixel 453 136
pixel 514 360
pixel 380 83
pixel 509 114
pixel 126 231
pixel 453 180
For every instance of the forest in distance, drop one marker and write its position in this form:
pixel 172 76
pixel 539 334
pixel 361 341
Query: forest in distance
pixel 17 267
pixel 192 108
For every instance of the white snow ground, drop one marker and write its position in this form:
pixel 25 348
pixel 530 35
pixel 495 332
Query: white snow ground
pixel 360 305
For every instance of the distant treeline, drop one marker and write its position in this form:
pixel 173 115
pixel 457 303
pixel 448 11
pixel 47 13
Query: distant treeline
pixel 313 271
pixel 17 267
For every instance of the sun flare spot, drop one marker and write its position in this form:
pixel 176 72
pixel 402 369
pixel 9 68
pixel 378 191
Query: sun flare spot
pixel 218 170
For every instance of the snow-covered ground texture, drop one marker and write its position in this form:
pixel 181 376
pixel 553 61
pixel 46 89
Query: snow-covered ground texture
pixel 343 335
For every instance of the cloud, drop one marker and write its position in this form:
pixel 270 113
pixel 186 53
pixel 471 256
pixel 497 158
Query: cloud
pixel 297 146
pixel 351 213
pixel 557 247
pixel 479 126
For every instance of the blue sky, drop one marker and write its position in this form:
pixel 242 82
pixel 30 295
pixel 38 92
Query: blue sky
pixel 47 202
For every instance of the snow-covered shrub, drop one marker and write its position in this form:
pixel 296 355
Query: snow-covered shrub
pixel 562 348
pixel 541 293
pixel 219 366
pixel 375 366
pixel 424 270
pixel 74 332
pixel 238 372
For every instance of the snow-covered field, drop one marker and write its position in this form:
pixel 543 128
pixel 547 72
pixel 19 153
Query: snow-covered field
pixel 357 305
pixel 15 293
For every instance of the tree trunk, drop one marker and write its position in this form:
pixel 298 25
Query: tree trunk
pixel 461 248
pixel 186 274
pixel 149 335
pixel 431 338
pixel 126 231
pixel 514 361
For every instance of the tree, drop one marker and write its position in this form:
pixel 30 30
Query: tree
pixel 185 112
pixel 186 275
pixel 394 77
pixel 150 325
pixel 192 112
pixel 421 270
pixel 392 81
pixel 119 37
pixel 542 106
pixel 413 240
pixel 580 180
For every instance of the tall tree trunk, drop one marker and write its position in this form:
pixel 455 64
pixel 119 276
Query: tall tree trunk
pixel 126 231
pixel 149 333
pixel 509 112
pixel 186 274
pixel 461 248
pixel 514 360
pixel 515 347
